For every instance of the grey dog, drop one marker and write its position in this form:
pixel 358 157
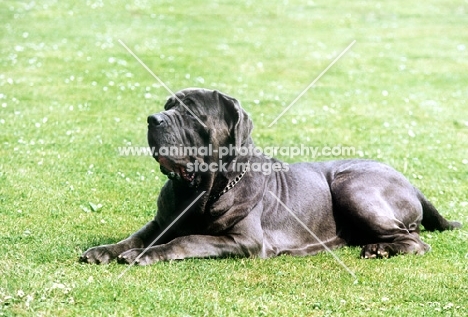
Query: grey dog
pixel 247 213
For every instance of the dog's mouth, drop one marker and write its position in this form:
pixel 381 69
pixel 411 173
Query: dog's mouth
pixel 177 172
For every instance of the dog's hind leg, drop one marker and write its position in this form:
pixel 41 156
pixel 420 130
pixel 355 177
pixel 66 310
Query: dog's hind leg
pixel 400 244
pixel 379 210
pixel 383 235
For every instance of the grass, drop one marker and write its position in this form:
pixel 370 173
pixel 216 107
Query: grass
pixel 70 95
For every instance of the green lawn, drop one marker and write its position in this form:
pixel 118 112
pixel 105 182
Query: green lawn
pixel 70 95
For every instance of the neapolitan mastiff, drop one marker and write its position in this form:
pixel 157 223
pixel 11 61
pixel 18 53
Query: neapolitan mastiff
pixel 246 213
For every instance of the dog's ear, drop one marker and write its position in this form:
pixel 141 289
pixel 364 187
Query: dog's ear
pixel 239 124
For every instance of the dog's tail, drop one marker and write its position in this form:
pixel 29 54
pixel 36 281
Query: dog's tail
pixel 432 219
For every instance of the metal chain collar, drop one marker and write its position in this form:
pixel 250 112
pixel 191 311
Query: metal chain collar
pixel 230 185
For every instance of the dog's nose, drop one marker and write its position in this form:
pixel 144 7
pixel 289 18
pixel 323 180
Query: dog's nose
pixel 155 119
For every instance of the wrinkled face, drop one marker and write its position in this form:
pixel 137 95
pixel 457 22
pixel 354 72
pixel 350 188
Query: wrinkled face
pixel 180 138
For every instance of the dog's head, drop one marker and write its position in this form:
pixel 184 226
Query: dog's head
pixel 191 130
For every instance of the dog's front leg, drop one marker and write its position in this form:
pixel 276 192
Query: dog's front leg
pixel 103 254
pixel 193 246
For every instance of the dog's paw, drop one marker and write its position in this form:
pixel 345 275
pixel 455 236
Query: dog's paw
pixel 139 256
pixel 134 256
pixel 130 257
pixel 376 251
pixel 98 255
